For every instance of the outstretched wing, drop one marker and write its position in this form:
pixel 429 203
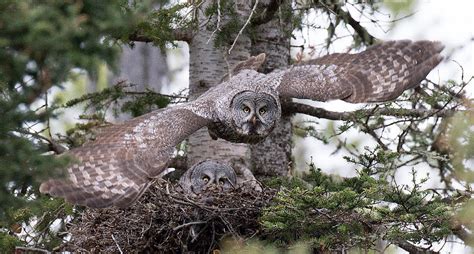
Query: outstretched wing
pixel 117 167
pixel 380 73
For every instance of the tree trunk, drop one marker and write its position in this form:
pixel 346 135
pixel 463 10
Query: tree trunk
pixel 272 156
pixel 144 66
pixel 209 64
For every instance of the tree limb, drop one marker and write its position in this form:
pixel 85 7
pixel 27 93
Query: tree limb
pixel 411 248
pixel 337 10
pixel 295 107
pixel 19 249
pixel 178 35
pixel 460 231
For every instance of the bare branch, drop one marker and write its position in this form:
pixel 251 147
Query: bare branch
pixel 189 224
pixel 218 26
pixel 411 248
pixel 244 26
pixel 19 249
pixel 52 145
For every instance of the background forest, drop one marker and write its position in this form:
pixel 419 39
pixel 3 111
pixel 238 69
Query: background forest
pixel 387 177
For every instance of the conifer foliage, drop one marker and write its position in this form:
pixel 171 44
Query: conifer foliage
pixel 45 45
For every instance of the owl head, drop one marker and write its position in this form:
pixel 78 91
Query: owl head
pixel 207 175
pixel 254 114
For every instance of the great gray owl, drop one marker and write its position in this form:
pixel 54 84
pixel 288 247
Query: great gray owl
pixel 208 174
pixel 121 163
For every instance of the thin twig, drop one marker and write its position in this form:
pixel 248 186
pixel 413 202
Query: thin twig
pixel 189 224
pixel 19 249
pixel 245 25
pixel 116 243
pixel 218 25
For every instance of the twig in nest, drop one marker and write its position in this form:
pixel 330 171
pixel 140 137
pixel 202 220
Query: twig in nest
pixel 189 224
pixel 116 243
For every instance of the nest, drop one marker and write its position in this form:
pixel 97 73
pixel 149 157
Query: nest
pixel 166 220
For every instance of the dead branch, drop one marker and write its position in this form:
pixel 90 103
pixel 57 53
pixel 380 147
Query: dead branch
pixel 243 27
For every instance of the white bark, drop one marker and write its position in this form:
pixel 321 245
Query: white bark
pixel 143 65
pixel 208 65
pixel 272 156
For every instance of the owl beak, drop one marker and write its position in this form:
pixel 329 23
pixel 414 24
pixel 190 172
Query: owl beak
pixel 254 120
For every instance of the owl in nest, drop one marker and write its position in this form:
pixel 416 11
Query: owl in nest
pixel 124 159
pixel 210 175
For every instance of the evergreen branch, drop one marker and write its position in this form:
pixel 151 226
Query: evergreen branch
pixel 178 35
pixel 295 107
pixel 43 84
pixel 337 10
pixel 52 145
pixel 118 91
pixel 148 91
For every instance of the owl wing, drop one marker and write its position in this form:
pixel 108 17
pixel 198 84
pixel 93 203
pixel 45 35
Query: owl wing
pixel 117 167
pixel 380 73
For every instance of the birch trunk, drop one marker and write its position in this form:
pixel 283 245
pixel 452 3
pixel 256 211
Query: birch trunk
pixel 208 64
pixel 144 66
pixel 272 156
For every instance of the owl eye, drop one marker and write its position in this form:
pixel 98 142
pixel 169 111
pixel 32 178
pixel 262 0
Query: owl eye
pixel 205 179
pixel 222 181
pixel 246 109
pixel 262 111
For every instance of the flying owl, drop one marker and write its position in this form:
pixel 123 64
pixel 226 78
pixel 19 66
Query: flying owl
pixel 117 167
pixel 206 175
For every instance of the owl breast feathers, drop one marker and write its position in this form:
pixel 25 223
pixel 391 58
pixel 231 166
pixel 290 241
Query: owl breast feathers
pixel 117 167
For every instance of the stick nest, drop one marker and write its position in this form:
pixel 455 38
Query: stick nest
pixel 166 220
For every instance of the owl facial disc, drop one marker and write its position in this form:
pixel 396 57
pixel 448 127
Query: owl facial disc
pixel 254 114
pixel 208 175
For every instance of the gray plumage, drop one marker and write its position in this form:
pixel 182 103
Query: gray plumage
pixel 208 175
pixel 117 167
